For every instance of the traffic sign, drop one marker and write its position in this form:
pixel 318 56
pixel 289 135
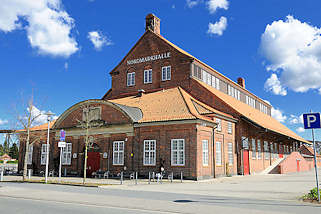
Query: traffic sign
pixel 312 121
pixel 62 135
pixel 61 144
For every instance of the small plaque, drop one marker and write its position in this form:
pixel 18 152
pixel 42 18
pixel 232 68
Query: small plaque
pixel 105 155
pixel 61 144
pixel 74 155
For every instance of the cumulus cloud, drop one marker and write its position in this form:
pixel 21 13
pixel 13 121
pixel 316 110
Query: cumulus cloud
pixel 99 40
pixel 47 24
pixel 3 122
pixel 273 84
pixel 278 115
pixel 296 119
pixel 300 129
pixel 218 27
pixel 191 3
pixel 39 116
pixel 213 5
pixel 293 50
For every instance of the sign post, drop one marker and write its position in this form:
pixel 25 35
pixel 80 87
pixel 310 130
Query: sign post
pixel 313 121
pixel 61 145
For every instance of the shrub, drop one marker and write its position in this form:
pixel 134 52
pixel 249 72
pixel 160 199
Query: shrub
pixel 16 161
pixel 1 161
pixel 313 195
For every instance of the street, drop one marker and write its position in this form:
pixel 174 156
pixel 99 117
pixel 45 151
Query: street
pixel 250 194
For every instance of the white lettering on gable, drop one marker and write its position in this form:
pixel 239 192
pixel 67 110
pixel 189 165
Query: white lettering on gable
pixel 149 58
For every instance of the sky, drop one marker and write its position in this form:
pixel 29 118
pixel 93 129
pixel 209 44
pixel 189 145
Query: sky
pixel 61 51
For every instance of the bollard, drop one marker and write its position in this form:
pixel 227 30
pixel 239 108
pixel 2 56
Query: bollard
pixel 29 174
pixel 153 175
pixel 65 172
pixel 172 176
pixel 148 177
pixel 121 178
pixel 181 177
pixel 1 176
pixel 136 177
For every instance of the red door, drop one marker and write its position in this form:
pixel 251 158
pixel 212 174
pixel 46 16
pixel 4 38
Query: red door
pixel 93 163
pixel 246 165
pixel 280 151
pixel 297 165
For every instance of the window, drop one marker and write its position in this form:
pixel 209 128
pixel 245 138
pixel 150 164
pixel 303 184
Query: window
pixel 233 92
pixel 263 108
pixel 149 152
pixel 230 153
pixel 131 79
pixel 30 151
pixel 148 76
pixel 205 152
pixel 276 150
pixel 118 153
pixel 207 77
pixel 166 73
pixel 178 152
pixel 219 125
pixel 253 149
pixel 266 150
pixel 259 152
pixel 250 101
pixel 43 154
pixel 218 153
pixel 66 154
pixel 229 127
pixel 271 150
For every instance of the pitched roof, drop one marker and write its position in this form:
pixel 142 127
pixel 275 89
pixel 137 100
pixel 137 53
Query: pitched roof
pixel 221 75
pixel 40 127
pixel 309 150
pixel 253 114
pixel 166 105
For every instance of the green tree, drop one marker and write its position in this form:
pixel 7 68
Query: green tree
pixel 6 146
pixel 1 150
pixel 14 151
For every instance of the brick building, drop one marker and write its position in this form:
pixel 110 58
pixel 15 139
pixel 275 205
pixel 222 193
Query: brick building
pixel 167 108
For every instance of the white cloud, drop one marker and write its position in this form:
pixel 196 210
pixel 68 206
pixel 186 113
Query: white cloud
pixel 98 40
pixel 191 3
pixel 273 84
pixel 278 114
pixel 39 116
pixel 218 27
pixel 296 119
pixel 300 129
pixel 3 122
pixel 293 49
pixel 47 24
pixel 213 5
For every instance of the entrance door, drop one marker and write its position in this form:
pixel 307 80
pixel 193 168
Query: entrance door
pixel 246 165
pixel 297 165
pixel 281 151
pixel 93 162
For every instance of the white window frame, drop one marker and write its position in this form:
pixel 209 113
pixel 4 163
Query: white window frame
pixel 218 152
pixel 205 152
pixel 253 143
pixel 229 127
pixel 131 79
pixel 266 150
pixel 119 153
pixel 230 154
pixel 219 124
pixel 29 154
pixel 180 160
pixel 66 154
pixel 166 73
pixel 148 76
pixel 259 150
pixel 250 101
pixel 150 159
pixel 43 157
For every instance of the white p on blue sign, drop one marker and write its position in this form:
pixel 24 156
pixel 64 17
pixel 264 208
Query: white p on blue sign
pixel 312 121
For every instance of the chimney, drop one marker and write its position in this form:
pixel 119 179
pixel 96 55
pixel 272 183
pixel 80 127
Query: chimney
pixel 241 82
pixel 153 23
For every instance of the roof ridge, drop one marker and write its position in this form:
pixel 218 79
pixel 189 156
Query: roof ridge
pixel 179 89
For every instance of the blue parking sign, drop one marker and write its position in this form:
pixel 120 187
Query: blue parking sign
pixel 312 121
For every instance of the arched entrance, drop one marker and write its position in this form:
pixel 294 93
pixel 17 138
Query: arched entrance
pixel 93 160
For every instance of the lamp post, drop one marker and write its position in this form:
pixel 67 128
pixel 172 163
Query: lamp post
pixel 49 114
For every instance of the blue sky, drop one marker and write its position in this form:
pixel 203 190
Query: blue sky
pixel 63 50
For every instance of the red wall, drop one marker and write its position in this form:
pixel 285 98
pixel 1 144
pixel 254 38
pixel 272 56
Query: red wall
pixel 290 164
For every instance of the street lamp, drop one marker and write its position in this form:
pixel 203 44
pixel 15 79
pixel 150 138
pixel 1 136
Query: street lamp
pixel 49 115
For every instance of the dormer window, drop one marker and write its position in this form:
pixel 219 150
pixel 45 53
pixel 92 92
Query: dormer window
pixel 166 73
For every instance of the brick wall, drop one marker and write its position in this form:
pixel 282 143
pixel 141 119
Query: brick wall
pixel 290 164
